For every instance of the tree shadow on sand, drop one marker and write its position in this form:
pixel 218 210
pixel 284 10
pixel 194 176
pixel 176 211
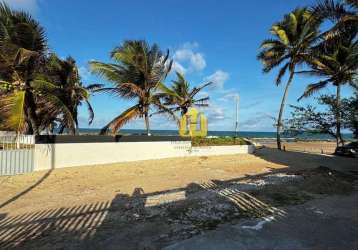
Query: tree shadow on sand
pixel 153 220
pixel 138 221
pixel 299 160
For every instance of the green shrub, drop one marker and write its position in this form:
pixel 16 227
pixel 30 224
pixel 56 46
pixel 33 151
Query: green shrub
pixel 218 141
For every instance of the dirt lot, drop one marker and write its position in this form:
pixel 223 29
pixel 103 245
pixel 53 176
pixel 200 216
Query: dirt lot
pixel 151 204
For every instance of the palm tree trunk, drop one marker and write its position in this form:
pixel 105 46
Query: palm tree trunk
pixel 75 119
pixel 338 116
pixel 62 128
pixel 146 120
pixel 30 109
pixel 282 107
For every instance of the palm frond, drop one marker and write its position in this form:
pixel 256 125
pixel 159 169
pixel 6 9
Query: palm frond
pixel 314 87
pixel 196 90
pixel 12 110
pixel 202 101
pixel 55 107
pixel 122 119
pixel 281 73
pixel 94 87
pixel 90 112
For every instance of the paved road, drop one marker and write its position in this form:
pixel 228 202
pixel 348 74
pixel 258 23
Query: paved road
pixel 329 223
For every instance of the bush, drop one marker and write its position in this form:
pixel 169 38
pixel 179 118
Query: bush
pixel 218 141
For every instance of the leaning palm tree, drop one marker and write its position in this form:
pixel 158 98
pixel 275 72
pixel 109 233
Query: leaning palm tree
pixel 337 65
pixel 180 97
pixel 292 37
pixel 138 70
pixel 69 89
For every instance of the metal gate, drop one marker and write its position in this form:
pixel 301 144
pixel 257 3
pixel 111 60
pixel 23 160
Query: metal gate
pixel 16 154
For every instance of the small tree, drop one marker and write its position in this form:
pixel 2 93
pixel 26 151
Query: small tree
pixel 309 119
pixel 352 111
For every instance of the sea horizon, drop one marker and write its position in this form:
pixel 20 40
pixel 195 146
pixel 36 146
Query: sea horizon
pixel 246 134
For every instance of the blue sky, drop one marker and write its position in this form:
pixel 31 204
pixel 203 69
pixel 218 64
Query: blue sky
pixel 208 39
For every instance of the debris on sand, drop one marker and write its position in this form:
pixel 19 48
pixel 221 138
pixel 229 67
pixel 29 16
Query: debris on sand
pixel 260 224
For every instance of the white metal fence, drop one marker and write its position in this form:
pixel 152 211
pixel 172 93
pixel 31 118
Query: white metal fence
pixel 16 154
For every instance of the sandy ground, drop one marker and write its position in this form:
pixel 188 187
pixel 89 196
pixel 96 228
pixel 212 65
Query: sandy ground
pixel 102 183
pixel 79 208
pixel 324 147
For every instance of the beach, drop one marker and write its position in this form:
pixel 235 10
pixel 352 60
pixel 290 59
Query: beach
pixel 320 147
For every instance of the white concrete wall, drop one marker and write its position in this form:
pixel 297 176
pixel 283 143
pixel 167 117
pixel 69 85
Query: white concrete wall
pixel 222 150
pixel 62 155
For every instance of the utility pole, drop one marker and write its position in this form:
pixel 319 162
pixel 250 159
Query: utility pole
pixel 237 116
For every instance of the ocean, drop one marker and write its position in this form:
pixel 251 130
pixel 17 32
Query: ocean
pixel 246 134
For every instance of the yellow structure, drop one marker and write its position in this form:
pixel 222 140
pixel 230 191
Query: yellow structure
pixel 193 123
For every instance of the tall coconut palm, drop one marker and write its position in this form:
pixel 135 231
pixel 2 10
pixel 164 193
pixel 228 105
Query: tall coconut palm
pixel 179 96
pixel 138 70
pixel 22 49
pixel 337 65
pixel 337 68
pixel 335 57
pixel 69 89
pixel 292 37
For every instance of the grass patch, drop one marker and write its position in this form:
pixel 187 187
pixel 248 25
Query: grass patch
pixel 218 141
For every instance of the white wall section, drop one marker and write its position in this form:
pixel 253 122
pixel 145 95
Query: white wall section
pixel 60 155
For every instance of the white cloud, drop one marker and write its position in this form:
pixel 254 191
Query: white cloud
pixel 218 78
pixel 178 67
pixel 202 94
pixel 84 72
pixel 230 96
pixel 26 5
pixel 215 113
pixel 193 61
pixel 259 122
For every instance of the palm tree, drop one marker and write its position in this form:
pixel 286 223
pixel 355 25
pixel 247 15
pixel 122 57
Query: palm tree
pixel 29 100
pixel 69 89
pixel 138 70
pixel 337 68
pixel 335 58
pixel 181 97
pixel 342 14
pixel 22 49
pixel 292 37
